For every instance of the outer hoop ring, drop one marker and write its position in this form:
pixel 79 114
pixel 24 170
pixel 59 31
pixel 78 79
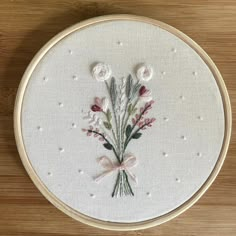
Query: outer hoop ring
pixel 65 208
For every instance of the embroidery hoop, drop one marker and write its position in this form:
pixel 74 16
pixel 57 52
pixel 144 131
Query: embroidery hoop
pixel 70 211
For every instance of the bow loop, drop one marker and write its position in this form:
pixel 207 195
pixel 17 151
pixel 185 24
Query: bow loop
pixel 106 163
pixel 130 161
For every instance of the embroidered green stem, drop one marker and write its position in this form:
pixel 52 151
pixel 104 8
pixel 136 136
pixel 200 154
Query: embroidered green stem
pixel 110 125
pixel 124 123
pixel 123 127
pixel 122 186
pixel 113 149
pixel 114 193
pixel 108 137
pixel 140 116
pixel 114 113
pixel 128 185
pixel 119 139
pixel 132 128
pixel 132 134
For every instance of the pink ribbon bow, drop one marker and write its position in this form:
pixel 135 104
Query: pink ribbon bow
pixel 130 161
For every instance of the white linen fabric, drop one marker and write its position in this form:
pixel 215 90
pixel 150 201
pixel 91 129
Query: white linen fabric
pixel 176 155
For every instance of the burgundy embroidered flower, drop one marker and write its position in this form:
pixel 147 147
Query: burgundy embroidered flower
pixel 96 108
pixel 101 104
pixel 145 94
pixel 142 90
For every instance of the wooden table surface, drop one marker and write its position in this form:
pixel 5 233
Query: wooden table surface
pixel 25 26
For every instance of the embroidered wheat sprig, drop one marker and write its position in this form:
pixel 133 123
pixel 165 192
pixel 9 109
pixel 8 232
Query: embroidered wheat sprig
pixel 122 97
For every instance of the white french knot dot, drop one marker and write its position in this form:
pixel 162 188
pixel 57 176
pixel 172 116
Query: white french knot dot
pixel 61 149
pixel 177 180
pixel 200 117
pixel 199 154
pixel 75 77
pixel 182 97
pixel 81 172
pixel 92 195
pixel 165 118
pixel 119 43
pixel 163 73
pixel 50 173
pixel 195 73
pixel 70 51
pixel 183 137
pixel 165 154
pixel 60 104
pixel 73 125
pixel 149 194
pixel 40 128
pixel 174 50
pixel 45 78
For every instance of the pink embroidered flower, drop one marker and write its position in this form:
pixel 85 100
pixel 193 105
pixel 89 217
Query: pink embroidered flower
pixel 96 134
pixel 149 104
pixel 140 124
pixel 145 94
pixel 101 104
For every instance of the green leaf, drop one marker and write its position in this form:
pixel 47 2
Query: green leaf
pixel 107 146
pixel 128 130
pixel 135 90
pixel 129 84
pixel 109 116
pixel 107 125
pixel 137 135
pixel 130 108
pixel 113 92
pixel 134 110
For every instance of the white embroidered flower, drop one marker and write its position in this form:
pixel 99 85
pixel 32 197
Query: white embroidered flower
pixel 144 73
pixel 101 72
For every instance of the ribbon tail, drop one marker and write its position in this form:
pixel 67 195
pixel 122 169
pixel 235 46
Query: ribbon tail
pixel 101 176
pixel 132 176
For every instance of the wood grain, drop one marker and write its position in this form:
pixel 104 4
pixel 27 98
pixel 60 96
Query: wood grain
pixel 25 26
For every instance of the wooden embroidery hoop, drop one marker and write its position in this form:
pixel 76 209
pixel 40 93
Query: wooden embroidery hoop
pixel 65 208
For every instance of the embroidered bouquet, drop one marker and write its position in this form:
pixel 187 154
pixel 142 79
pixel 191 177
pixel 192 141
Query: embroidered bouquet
pixel 118 119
